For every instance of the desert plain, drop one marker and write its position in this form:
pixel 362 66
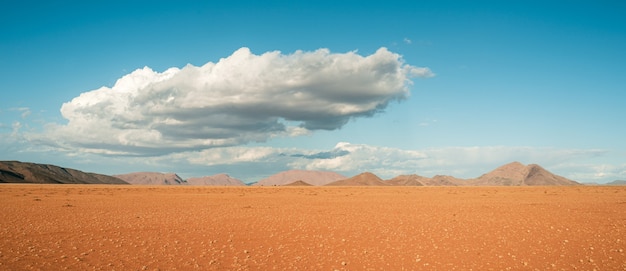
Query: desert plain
pixel 123 227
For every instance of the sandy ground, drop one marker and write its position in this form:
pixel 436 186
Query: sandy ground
pixel 99 227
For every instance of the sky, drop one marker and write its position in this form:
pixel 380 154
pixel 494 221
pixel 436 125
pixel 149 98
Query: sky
pixel 252 88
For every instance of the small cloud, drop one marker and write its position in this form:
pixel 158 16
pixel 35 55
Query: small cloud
pixel 16 126
pixel 25 114
pixel 323 155
pixel 229 155
pixel 427 123
pixel 24 111
pixel 407 41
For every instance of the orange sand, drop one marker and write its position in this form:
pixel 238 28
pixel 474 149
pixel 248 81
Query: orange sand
pixel 99 227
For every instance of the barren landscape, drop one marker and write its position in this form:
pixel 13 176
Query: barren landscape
pixel 117 227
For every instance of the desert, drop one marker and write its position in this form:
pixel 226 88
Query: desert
pixel 122 227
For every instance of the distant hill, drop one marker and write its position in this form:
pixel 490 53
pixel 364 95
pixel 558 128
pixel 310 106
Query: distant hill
pixel 363 179
pixel 217 180
pixel 408 180
pixel 518 174
pixel 20 172
pixel 298 183
pixel 152 178
pixel 417 180
pixel 445 180
pixel 617 182
pixel 312 177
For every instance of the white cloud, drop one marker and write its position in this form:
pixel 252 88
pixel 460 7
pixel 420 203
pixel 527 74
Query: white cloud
pixel 16 126
pixel 25 112
pixel 594 172
pixel 469 162
pixel 354 158
pixel 426 123
pixel 231 155
pixel 241 98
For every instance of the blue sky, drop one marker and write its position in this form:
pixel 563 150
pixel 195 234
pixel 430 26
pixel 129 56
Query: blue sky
pixel 484 83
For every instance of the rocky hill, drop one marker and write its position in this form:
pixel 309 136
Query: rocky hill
pixel 298 183
pixel 417 180
pixel 152 178
pixel 518 174
pixel 20 172
pixel 617 182
pixel 363 179
pixel 216 180
pixel 408 180
pixel 312 177
pixel 444 180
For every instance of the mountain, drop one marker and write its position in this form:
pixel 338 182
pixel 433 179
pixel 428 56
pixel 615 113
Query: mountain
pixel 510 174
pixel 217 180
pixel 617 182
pixel 20 172
pixel 408 180
pixel 417 180
pixel 518 174
pixel 444 180
pixel 312 177
pixel 298 183
pixel 363 179
pixel 152 178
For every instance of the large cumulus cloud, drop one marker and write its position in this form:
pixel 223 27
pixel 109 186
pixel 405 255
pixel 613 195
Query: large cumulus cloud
pixel 241 98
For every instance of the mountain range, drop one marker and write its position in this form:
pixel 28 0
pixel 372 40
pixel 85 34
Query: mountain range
pixel 512 174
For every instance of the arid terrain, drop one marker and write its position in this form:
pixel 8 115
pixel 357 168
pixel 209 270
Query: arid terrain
pixel 122 227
